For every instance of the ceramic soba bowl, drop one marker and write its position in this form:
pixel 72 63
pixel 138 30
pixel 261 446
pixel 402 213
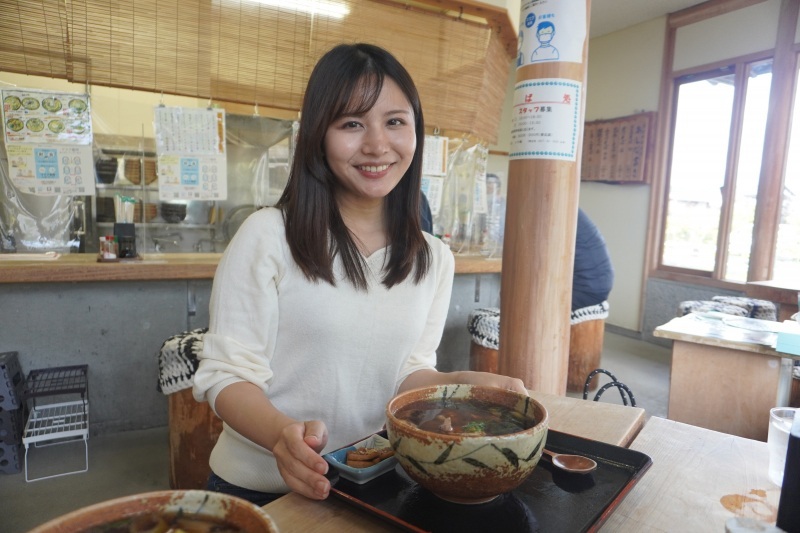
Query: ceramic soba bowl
pixel 467 467
pixel 200 505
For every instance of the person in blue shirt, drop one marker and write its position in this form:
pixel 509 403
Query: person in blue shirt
pixel 593 274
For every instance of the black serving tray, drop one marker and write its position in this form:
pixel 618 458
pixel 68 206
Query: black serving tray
pixel 549 500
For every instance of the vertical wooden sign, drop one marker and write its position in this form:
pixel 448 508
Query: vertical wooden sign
pixel 543 187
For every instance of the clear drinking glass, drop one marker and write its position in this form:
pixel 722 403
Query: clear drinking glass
pixel 780 423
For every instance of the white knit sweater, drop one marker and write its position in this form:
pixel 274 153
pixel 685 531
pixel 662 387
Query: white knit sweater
pixel 319 352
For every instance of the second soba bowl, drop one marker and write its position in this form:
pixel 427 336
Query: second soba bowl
pixel 466 443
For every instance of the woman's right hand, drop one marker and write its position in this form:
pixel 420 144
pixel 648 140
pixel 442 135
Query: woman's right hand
pixel 297 452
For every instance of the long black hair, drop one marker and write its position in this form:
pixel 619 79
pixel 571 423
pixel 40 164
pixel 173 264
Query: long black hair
pixel 347 80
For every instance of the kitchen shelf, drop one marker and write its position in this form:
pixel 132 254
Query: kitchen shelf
pixel 57 422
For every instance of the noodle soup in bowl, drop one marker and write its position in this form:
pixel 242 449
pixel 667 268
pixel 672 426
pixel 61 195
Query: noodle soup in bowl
pixel 187 511
pixel 466 443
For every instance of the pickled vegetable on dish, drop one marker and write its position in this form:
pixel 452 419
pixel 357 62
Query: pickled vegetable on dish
pixel 30 103
pixel 51 104
pixel 12 102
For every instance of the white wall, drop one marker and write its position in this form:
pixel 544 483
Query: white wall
pixel 624 73
pixel 747 30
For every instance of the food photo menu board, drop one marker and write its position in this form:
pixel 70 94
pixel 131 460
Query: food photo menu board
pixel 48 140
pixel 190 144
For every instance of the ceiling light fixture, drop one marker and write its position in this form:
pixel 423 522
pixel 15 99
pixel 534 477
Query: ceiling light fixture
pixel 324 8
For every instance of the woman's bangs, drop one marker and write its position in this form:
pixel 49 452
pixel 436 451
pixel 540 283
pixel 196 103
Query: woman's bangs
pixel 363 95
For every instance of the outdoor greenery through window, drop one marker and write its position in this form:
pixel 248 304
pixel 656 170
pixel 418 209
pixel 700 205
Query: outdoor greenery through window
pixel 713 175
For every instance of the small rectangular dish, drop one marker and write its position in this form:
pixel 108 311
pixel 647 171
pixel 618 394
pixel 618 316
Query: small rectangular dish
pixel 338 460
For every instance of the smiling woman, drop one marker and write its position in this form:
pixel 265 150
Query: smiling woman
pixel 333 301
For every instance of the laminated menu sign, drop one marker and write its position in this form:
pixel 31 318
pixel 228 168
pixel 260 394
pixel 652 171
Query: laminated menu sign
pixel 190 144
pixel 545 119
pixel 48 139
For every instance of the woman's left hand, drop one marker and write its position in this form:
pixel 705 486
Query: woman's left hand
pixel 493 380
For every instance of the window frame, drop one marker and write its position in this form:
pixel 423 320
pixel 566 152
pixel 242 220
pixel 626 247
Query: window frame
pixel 785 61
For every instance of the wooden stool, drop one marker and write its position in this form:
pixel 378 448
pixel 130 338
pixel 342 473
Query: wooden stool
pixel 193 426
pixel 587 328
pixel 482 359
pixel 585 349
pixel 484 326
pixel 193 431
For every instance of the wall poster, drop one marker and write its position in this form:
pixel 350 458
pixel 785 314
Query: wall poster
pixel 190 144
pixel 551 30
pixel 48 140
pixel 434 170
pixel 545 119
pixel 618 150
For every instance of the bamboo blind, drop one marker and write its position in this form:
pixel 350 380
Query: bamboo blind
pixel 247 52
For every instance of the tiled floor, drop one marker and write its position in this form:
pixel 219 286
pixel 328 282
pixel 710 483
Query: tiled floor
pixel 138 461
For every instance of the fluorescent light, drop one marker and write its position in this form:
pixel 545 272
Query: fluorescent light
pixel 324 8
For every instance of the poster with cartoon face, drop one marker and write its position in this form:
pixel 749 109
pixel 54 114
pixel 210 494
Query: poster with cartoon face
pixel 551 30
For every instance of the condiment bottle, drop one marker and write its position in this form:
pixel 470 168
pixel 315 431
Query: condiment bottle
pixel 789 505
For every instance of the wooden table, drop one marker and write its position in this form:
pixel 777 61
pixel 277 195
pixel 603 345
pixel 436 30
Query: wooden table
pixel 699 479
pixel 724 378
pixel 600 421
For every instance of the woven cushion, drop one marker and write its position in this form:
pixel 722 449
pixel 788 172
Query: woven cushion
pixel 762 309
pixel 704 306
pixel 484 326
pixel 177 360
pixel 484 323
pixel 591 312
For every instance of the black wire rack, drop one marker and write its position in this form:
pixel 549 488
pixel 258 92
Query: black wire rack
pixel 57 381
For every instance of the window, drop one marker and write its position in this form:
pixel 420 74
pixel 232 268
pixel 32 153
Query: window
pixel 713 170
pixel 787 257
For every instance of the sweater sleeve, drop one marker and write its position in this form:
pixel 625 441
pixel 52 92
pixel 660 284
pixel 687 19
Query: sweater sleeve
pixel 243 309
pixel 424 354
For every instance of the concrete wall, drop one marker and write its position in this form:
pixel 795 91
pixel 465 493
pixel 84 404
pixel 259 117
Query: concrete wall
pixel 663 297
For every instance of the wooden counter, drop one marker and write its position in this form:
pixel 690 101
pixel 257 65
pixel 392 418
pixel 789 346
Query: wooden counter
pixel 84 267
